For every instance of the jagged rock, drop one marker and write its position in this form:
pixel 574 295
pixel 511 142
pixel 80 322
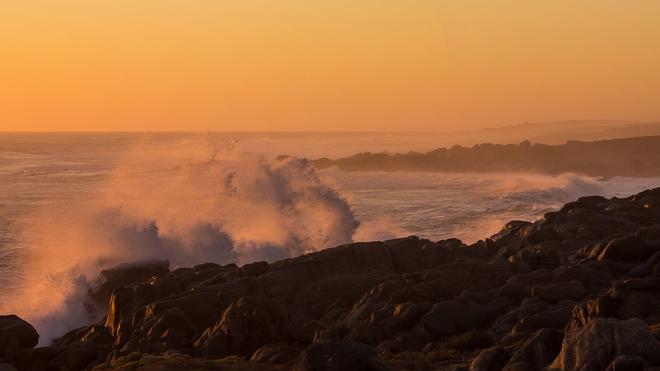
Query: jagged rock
pixel 599 342
pixel 126 274
pixel 537 352
pixel 245 326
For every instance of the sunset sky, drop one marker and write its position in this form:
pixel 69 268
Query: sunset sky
pixel 324 65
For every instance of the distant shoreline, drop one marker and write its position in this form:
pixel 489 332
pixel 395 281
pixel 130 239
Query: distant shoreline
pixel 632 157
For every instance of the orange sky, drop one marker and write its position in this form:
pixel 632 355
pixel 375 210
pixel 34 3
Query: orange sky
pixel 325 65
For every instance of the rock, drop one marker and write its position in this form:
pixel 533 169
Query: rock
pixel 537 352
pixel 7 367
pixel 125 274
pixel 539 256
pixel 245 326
pixel 554 318
pixel 490 359
pixel 406 315
pixel 628 363
pixel 13 327
pixel 454 317
pixel 275 353
pixel 338 356
pixel 589 277
pixel 254 269
pixel 628 248
pixel 556 292
pixel 599 342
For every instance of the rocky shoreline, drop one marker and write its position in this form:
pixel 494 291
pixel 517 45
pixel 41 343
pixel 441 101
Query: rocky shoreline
pixel 628 157
pixel 578 289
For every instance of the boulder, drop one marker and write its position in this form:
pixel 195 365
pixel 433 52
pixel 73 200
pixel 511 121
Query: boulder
pixel 16 337
pixel 13 328
pixel 628 248
pixel 245 326
pixel 599 342
pixel 537 352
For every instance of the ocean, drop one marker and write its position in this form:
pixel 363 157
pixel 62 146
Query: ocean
pixel 73 204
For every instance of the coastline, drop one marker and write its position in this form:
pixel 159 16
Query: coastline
pixel 534 295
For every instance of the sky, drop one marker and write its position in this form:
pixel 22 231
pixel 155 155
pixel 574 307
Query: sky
pixel 364 65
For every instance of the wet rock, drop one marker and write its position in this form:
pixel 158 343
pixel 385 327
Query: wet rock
pixel 126 274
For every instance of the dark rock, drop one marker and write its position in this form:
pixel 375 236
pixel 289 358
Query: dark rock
pixel 275 353
pixel 555 318
pixel 599 342
pixel 537 352
pixel 629 248
pixel 455 317
pixel 254 269
pixel 338 356
pixel 556 292
pixel 13 328
pixel 490 359
pixel 628 363
pixel 126 274
pixel 245 326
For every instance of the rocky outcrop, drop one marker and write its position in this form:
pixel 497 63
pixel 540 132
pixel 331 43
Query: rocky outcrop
pixel 602 341
pixel 577 290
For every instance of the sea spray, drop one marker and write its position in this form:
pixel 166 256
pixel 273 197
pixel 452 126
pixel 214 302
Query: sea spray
pixel 188 204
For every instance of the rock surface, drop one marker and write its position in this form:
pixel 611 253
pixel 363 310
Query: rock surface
pixel 577 290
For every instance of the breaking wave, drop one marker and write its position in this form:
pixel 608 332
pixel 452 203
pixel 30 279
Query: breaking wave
pixel 190 205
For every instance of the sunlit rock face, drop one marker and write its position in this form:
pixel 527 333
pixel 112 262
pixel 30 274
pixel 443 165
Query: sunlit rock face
pixel 575 290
